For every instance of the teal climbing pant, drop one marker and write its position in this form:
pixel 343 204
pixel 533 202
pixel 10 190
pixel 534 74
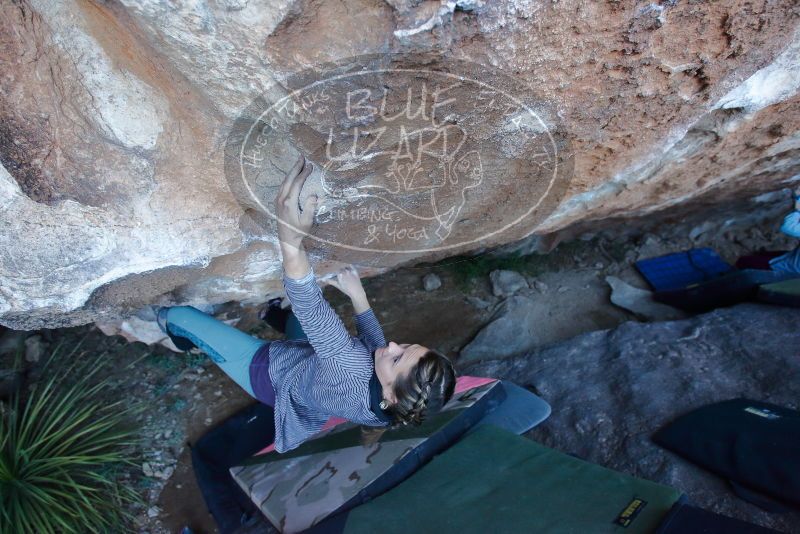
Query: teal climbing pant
pixel 230 348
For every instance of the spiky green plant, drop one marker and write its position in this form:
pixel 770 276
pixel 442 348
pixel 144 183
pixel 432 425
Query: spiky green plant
pixel 61 448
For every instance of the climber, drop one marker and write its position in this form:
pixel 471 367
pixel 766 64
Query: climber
pixel 780 261
pixel 323 371
pixel 790 261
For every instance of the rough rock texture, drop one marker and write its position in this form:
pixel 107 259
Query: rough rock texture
pixel 431 282
pixel 114 115
pixel 611 390
pixel 640 301
pixel 506 283
pixel 511 330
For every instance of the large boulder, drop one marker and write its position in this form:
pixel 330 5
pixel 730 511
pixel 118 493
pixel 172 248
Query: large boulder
pixel 116 116
pixel 612 389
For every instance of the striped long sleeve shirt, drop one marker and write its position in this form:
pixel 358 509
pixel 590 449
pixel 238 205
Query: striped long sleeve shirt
pixel 328 375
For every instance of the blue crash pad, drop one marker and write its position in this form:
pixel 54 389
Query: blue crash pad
pixel 682 269
pixel 518 412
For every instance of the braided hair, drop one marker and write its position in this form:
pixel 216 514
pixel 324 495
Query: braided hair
pixel 425 389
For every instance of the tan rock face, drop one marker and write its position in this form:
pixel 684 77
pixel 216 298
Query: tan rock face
pixel 115 186
pixel 414 156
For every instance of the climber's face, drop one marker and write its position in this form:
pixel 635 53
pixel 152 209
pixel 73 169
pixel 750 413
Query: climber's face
pixel 393 361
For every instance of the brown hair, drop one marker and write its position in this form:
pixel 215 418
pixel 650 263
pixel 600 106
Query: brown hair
pixel 425 389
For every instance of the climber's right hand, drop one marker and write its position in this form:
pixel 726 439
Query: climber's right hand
pixel 293 223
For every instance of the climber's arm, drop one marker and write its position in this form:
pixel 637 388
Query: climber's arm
pixel 295 261
pixel 325 331
pixel 293 223
pixel 368 328
pixel 360 303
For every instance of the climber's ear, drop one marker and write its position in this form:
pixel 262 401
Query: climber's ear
pixel 388 393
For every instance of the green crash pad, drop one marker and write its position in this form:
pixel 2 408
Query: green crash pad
pixel 786 293
pixel 495 481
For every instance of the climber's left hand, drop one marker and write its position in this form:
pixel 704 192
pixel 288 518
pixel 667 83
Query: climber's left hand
pixel 348 282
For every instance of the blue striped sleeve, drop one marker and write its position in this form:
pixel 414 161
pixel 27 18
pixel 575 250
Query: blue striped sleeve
pixel 325 330
pixel 369 329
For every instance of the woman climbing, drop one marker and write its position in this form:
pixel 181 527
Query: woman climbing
pixel 781 261
pixel 789 262
pixel 322 371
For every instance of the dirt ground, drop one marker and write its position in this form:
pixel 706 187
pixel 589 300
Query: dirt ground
pixel 188 395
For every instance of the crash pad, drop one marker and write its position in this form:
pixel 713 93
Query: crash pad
pixel 750 442
pixel 680 269
pixel 493 480
pixel 336 472
pixel 519 411
pixel 725 290
pixel 685 518
pixel 228 444
pixel 785 293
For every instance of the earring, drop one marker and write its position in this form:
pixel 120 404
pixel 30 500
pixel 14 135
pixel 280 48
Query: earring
pixel 384 405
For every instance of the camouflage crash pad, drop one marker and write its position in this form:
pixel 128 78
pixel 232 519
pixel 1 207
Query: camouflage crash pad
pixel 335 472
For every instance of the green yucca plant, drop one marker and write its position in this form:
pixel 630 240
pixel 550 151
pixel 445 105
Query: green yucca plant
pixel 61 447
